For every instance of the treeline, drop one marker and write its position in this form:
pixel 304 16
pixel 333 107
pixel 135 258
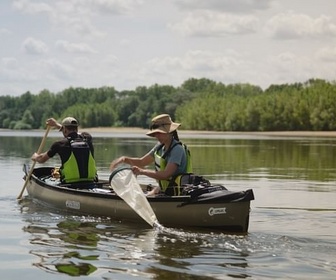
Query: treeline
pixel 200 104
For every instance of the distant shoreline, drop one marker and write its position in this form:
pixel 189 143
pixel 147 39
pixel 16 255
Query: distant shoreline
pixel 141 131
pixel 204 132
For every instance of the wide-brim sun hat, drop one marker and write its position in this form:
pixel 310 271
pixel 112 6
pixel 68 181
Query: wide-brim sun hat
pixel 69 121
pixel 162 124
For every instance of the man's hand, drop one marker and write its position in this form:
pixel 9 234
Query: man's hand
pixel 53 123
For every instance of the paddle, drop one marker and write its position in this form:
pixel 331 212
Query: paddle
pixel 34 162
pixel 125 184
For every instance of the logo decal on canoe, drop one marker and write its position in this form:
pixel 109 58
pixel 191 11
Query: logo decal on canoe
pixel 216 211
pixel 72 204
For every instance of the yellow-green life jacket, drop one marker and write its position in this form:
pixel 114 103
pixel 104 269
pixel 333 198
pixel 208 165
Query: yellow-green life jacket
pixel 81 165
pixel 161 163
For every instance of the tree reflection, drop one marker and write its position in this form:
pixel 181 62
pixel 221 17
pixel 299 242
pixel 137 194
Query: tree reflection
pixel 66 247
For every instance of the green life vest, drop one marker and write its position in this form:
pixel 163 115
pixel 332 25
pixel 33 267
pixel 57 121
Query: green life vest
pixel 81 165
pixel 161 163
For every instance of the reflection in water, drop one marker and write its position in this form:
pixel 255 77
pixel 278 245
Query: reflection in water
pixel 101 248
pixel 251 159
pixel 73 269
pixel 85 245
pixel 63 244
pixel 79 233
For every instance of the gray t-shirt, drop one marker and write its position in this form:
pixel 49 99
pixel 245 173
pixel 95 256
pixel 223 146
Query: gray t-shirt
pixel 176 155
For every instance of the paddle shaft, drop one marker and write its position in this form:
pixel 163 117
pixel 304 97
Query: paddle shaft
pixel 34 162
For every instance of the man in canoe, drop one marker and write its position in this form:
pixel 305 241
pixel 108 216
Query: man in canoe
pixel 75 150
pixel 171 157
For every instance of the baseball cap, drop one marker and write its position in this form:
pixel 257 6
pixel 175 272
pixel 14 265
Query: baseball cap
pixel 69 121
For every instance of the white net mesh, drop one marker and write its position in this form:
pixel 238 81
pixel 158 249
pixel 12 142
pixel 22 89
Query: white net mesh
pixel 125 184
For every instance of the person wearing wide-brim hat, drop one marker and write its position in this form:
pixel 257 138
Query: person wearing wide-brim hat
pixel 169 154
pixel 75 150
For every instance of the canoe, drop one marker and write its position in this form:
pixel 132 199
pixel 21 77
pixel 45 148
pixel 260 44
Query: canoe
pixel 210 208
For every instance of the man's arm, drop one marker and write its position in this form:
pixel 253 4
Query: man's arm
pixel 40 158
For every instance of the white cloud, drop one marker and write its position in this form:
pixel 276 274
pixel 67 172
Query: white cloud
pixel 195 63
pixel 236 6
pixel 327 54
pixel 71 7
pixel 294 26
pixel 205 61
pixel 284 61
pixel 30 7
pixel 4 31
pixel 16 77
pixel 72 19
pixel 77 16
pixel 110 59
pixel 58 68
pixel 114 6
pixel 206 23
pixel 74 48
pixel 301 67
pixel 34 46
pixel 9 62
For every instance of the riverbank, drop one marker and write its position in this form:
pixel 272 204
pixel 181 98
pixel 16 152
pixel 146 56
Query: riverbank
pixel 202 133
pixel 136 130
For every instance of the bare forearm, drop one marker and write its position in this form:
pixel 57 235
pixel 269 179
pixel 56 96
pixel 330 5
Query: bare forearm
pixel 40 158
pixel 157 175
pixel 121 160
pixel 133 161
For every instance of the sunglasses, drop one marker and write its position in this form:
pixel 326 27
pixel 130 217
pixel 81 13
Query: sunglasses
pixel 155 126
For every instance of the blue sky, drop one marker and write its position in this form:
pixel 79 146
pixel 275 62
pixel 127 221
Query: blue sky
pixel 49 44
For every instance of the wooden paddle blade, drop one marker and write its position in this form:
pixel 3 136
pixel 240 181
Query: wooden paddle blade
pixel 125 184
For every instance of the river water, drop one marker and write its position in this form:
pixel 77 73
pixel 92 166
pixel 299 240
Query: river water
pixel 292 224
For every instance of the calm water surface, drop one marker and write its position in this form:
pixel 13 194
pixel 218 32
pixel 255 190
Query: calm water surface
pixel 292 224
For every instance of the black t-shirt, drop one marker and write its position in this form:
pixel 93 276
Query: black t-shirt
pixel 63 148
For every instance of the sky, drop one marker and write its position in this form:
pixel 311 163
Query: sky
pixel 57 44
